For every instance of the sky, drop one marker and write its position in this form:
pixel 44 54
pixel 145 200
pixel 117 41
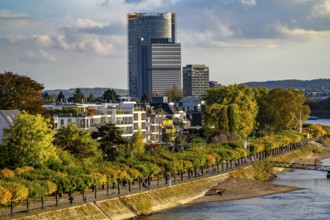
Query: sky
pixel 83 43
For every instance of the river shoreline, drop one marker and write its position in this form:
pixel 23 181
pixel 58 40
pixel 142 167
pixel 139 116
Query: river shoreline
pixel 236 188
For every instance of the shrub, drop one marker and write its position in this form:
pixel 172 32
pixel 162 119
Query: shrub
pixel 6 173
pixel 263 171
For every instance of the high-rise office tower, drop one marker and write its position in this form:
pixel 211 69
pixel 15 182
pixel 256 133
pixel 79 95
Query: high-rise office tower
pixel 154 57
pixel 195 80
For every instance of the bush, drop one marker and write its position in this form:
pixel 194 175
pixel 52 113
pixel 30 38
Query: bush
pixel 263 171
pixel 6 173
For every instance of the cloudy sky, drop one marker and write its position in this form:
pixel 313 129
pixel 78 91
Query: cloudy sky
pixel 83 43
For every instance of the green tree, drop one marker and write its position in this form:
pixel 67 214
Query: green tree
pixel 145 98
pixel 110 138
pixel 282 109
pixel 20 92
pixel 174 94
pixel 91 97
pixel 110 95
pixel 60 98
pixel 78 96
pixel 78 142
pixel 46 98
pixel 28 142
pixel 233 108
pixel 138 146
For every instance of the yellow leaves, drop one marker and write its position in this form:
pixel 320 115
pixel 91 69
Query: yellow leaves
pixel 110 173
pixel 61 175
pixel 211 159
pixel 316 130
pixel 241 151
pixel 24 169
pixel 51 187
pixel 100 179
pixel 138 146
pixel 133 173
pixel 29 141
pixel 184 165
pixel 7 173
pixel 5 196
pixel 19 191
pixel 123 175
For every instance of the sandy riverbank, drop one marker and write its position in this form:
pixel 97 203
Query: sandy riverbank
pixel 236 188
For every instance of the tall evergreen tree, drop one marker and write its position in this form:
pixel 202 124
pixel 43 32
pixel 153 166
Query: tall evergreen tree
pixel 78 96
pixel 91 98
pixel 110 95
pixel 110 138
pixel 60 98
pixel 145 98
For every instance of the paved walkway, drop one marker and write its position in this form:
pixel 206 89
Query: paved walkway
pixel 35 206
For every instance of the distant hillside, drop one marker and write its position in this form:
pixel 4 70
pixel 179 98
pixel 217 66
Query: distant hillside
pixel 315 84
pixel 97 92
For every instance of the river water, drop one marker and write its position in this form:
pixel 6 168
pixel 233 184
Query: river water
pixel 319 121
pixel 312 202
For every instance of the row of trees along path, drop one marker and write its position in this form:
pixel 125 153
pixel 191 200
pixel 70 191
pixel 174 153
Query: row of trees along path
pixel 120 188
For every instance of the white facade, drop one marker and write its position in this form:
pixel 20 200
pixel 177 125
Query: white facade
pixel 190 103
pixel 128 116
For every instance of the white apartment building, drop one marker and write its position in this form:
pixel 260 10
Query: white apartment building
pixel 128 116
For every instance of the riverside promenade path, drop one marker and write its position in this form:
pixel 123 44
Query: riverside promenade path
pixel 108 191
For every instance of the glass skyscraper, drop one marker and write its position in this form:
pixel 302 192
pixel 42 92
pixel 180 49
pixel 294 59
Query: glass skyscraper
pixel 154 57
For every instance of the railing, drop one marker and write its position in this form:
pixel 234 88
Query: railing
pixel 301 166
pixel 108 191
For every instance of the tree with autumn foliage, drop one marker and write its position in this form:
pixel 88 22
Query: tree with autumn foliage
pixel 232 109
pixel 20 92
pixel 28 142
pixel 137 146
pixel 281 109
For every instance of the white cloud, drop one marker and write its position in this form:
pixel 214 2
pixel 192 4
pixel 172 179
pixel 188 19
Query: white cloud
pixel 8 15
pixel 322 9
pixel 301 34
pixel 39 56
pixel 91 44
pixel 88 23
pixel 89 36
pixel 249 3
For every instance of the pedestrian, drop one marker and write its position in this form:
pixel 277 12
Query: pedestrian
pixel 71 199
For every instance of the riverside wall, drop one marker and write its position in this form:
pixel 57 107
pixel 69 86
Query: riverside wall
pixel 133 205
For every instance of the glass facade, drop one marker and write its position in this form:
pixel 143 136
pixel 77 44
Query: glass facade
pixel 195 80
pixel 142 28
